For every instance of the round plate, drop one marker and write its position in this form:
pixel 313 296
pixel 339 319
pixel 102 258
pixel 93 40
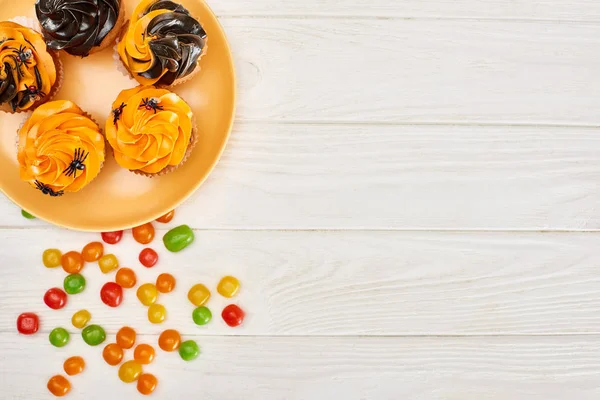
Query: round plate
pixel 118 199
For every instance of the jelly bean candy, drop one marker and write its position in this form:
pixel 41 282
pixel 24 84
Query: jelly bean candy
pixel 51 258
pixel 59 337
pixel 55 298
pixel 74 283
pixel 189 350
pixel 143 234
pixel 233 315
pixel 81 318
pixel 108 263
pixel 157 313
pixel 144 354
pixel 146 384
pixel 92 251
pixel 130 371
pixel 199 295
pixel 112 237
pixel 169 340
pixel 28 323
pixel 165 283
pixel 201 316
pixel 72 262
pixel 228 286
pixel 74 365
pixel 126 278
pixel 112 354
pixel 148 258
pixel 93 335
pixel 27 215
pixel 59 386
pixel 126 337
pixel 111 294
pixel 178 238
pixel 168 217
pixel 147 294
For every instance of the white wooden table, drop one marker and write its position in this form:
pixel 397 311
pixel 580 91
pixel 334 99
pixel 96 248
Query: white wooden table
pixel 410 199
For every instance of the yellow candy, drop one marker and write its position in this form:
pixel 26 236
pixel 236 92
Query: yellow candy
pixel 81 318
pixel 157 313
pixel 130 371
pixel 51 258
pixel 199 295
pixel 147 293
pixel 108 263
pixel 228 287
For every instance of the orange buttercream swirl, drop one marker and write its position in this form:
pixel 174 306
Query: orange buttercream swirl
pixel 150 129
pixel 60 148
pixel 27 70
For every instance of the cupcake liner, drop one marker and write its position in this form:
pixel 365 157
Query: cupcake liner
pixel 28 22
pixel 114 34
pixel 117 57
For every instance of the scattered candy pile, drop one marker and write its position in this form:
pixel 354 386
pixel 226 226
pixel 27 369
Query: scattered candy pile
pixel 111 294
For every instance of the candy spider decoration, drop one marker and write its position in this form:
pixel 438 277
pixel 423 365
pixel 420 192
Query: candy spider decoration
pixel 45 189
pixel 33 92
pixel 117 113
pixel 23 55
pixel 151 104
pixel 77 164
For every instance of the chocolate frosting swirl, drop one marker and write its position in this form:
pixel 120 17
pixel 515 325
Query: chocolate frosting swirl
pixel 76 26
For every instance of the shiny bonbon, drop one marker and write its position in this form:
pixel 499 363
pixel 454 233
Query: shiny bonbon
pixel 165 283
pixel 58 385
pixel 148 258
pixel 51 258
pixel 93 335
pixel 55 298
pixel 157 313
pixel 169 340
pixel 74 283
pixel 126 278
pixel 147 294
pixel 28 323
pixel 129 371
pixel 126 337
pixel 168 217
pixel 27 215
pixel 112 237
pixel 111 294
pixel 81 318
pixel 201 315
pixel 108 263
pixel 233 315
pixel 72 262
pixel 112 354
pixel 59 337
pixel 178 238
pixel 146 384
pixel 74 365
pixel 144 234
pixel 198 295
pixel 228 286
pixel 189 350
pixel 92 251
pixel 144 353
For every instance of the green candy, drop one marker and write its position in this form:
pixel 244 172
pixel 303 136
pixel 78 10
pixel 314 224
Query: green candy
pixel 74 283
pixel 93 335
pixel 189 350
pixel 178 238
pixel 59 337
pixel 27 215
pixel 201 315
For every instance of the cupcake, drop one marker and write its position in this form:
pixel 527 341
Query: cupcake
pixel 80 27
pixel 29 74
pixel 150 130
pixel 60 149
pixel 163 44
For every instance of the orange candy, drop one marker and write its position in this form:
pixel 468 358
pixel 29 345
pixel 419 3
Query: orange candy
pixel 146 384
pixel 58 385
pixel 112 354
pixel 74 365
pixel 144 354
pixel 169 340
pixel 92 251
pixel 144 234
pixel 126 278
pixel 72 262
pixel 126 337
pixel 165 283
pixel 168 217
pixel 129 371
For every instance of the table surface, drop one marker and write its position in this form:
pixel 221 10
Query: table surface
pixel 409 197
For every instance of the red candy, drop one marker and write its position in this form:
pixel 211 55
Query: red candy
pixel 111 294
pixel 28 323
pixel 233 315
pixel 112 237
pixel 55 298
pixel 148 258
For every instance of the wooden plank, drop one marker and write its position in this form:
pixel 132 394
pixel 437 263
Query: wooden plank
pixel 336 283
pixel 494 368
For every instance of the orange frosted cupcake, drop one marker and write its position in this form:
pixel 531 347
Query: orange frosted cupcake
pixel 150 130
pixel 60 149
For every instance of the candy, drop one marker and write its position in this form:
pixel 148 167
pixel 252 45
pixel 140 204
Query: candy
pixel 112 354
pixel 108 263
pixel 178 238
pixel 169 340
pixel 147 294
pixel 233 315
pixel 74 283
pixel 165 283
pixel 74 365
pixel 59 386
pixel 148 258
pixel 72 262
pixel 126 337
pixel 51 258
pixel 112 237
pixel 130 371
pixel 28 323
pixel 59 337
pixel 111 294
pixel 27 215
pixel 157 313
pixel 146 384
pixel 144 354
pixel 228 286
pixel 126 278
pixel 92 251
pixel 189 350
pixel 93 335
pixel 55 298
pixel 168 217
pixel 81 318
pixel 199 295
pixel 201 315
pixel 143 234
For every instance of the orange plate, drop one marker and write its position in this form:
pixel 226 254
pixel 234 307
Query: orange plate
pixel 118 199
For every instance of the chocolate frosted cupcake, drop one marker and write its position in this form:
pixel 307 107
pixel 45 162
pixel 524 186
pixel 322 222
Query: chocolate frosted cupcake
pixel 162 44
pixel 80 27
